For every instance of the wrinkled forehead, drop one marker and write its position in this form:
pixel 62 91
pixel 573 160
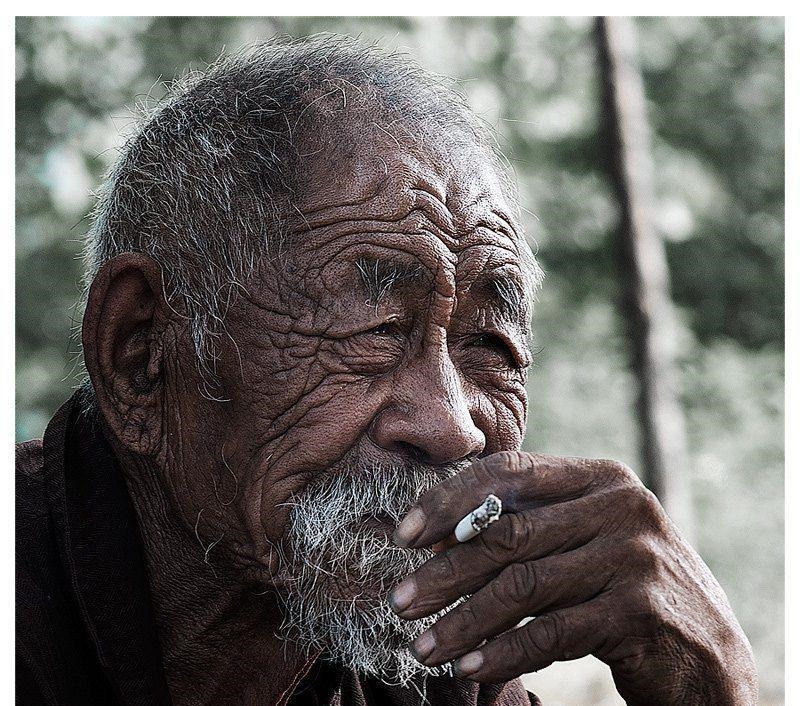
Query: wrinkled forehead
pixel 373 187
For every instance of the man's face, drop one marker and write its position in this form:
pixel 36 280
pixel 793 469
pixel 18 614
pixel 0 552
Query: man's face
pixel 381 352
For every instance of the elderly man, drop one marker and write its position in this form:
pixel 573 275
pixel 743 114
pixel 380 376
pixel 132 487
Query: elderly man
pixel 306 338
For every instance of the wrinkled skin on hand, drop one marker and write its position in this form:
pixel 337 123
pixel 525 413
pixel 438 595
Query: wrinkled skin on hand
pixel 322 355
pixel 589 551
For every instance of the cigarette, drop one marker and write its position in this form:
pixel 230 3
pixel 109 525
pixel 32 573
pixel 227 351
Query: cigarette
pixel 479 519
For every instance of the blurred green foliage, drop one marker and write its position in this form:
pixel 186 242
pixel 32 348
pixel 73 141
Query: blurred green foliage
pixel 715 92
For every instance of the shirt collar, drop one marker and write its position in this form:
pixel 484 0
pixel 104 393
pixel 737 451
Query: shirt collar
pixel 102 553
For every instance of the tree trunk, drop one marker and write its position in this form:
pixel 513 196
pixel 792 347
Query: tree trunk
pixel 645 300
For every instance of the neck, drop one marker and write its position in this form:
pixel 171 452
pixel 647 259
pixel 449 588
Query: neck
pixel 218 635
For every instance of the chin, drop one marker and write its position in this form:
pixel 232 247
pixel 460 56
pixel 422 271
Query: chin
pixel 340 564
pixel 350 621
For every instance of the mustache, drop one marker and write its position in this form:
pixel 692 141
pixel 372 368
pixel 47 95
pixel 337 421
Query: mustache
pixel 358 489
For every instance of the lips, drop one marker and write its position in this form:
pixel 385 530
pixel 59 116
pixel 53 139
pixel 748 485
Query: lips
pixel 379 522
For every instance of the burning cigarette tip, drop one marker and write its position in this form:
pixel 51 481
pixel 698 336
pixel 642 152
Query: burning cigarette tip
pixel 479 519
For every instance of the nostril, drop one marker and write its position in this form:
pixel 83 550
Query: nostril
pixel 415 453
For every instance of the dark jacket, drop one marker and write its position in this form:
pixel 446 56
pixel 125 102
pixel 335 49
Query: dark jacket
pixel 85 629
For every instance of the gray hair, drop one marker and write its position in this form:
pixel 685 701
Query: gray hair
pixel 206 184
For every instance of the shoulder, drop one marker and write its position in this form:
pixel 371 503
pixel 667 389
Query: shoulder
pixel 54 657
pixel 37 571
pixel 29 457
pixel 34 576
pixel 33 527
pixel 31 503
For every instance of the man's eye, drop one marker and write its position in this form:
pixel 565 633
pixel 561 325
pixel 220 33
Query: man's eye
pixel 490 340
pixel 497 345
pixel 387 328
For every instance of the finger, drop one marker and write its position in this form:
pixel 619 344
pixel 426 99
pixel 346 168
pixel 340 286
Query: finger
pixel 518 592
pixel 562 635
pixel 519 537
pixel 445 544
pixel 521 480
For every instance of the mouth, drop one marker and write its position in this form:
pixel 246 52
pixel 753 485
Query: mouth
pixel 381 522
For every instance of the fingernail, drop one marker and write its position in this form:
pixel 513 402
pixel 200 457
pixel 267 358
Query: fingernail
pixel 468 664
pixel 423 645
pixel 410 528
pixel 402 595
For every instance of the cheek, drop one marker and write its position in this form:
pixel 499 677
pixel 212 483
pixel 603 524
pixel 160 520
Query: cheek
pixel 205 473
pixel 335 415
pixel 501 414
pixel 292 417
pixel 497 394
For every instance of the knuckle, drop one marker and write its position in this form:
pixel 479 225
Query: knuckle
pixel 649 508
pixel 649 610
pixel 440 571
pixel 481 470
pixel 618 497
pixel 532 464
pixel 618 473
pixel 645 555
pixel 640 505
pixel 468 615
pixel 519 582
pixel 497 473
pixel 447 569
pixel 507 537
pixel 456 625
pixel 636 660
pixel 646 500
pixel 507 467
pixel 516 461
pixel 490 466
pixel 545 636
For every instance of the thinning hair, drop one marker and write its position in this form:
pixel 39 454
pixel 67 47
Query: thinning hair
pixel 207 182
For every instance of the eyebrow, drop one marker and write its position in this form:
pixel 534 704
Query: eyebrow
pixel 381 276
pixel 509 296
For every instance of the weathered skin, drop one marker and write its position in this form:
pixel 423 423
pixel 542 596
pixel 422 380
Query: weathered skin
pixel 435 369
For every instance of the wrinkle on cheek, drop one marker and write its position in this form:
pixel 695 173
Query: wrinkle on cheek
pixel 176 460
pixel 331 427
pixel 502 420
pixel 309 422
pixel 285 464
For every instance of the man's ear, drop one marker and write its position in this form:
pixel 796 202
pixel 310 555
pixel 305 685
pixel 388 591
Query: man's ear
pixel 123 347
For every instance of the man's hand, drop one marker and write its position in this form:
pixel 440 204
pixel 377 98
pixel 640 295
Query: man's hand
pixel 585 548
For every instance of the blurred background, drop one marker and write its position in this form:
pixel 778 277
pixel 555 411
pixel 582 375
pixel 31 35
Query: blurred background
pixel 649 156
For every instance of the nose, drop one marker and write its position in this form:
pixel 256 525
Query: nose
pixel 429 418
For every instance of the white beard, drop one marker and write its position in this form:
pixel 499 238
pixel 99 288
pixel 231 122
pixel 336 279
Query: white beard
pixel 339 572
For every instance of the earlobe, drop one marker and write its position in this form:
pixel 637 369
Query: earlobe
pixel 123 344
